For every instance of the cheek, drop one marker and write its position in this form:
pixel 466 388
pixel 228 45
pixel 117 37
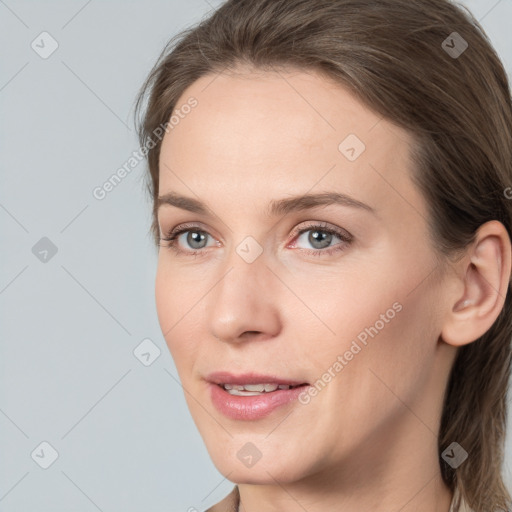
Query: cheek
pixel 391 338
pixel 381 320
pixel 174 294
pixel 179 305
pixel 168 298
pixel 163 300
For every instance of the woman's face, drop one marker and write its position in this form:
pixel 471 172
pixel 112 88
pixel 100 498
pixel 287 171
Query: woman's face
pixel 352 306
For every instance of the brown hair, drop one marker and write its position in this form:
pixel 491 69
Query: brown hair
pixel 391 55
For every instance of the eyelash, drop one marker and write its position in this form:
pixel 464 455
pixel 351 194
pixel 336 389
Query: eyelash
pixel 173 235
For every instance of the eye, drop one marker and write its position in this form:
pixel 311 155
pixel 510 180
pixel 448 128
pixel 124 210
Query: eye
pixel 321 236
pixel 195 239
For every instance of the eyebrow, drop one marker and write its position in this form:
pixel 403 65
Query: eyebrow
pixel 276 207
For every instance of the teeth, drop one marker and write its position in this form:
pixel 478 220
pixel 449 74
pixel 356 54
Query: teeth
pixel 253 389
pixel 233 386
pixel 243 393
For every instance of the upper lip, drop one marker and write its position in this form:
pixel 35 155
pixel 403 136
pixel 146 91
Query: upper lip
pixel 250 378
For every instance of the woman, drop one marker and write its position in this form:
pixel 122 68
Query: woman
pixel 331 198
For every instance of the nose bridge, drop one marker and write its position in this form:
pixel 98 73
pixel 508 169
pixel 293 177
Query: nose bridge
pixel 244 299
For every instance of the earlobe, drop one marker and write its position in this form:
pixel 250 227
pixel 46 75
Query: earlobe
pixel 485 275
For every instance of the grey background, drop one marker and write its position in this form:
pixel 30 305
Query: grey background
pixel 70 324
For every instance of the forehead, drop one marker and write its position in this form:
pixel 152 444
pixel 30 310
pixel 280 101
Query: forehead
pixel 267 134
pixel 272 107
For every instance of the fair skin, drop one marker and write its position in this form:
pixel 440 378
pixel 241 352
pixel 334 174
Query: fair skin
pixel 368 440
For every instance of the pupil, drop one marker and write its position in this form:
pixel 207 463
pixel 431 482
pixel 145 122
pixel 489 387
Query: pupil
pixel 316 235
pixel 195 237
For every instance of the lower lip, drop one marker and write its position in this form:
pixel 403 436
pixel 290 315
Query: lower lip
pixel 251 407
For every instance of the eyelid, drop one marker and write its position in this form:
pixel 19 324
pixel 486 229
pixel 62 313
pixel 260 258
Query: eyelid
pixel 296 231
pixel 198 226
pixel 345 237
pixel 324 226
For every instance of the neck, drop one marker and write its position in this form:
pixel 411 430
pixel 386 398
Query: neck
pixel 435 496
pixel 399 471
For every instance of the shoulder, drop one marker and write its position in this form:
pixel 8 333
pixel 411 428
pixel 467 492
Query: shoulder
pixel 228 504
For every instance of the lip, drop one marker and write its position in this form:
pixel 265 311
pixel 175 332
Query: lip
pixel 250 378
pixel 254 407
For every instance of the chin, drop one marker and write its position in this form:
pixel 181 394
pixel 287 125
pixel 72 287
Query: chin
pixel 261 472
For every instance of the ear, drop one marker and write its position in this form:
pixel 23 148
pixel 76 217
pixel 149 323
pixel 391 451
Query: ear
pixel 484 276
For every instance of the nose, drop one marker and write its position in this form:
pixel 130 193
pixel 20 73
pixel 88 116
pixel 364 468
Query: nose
pixel 245 303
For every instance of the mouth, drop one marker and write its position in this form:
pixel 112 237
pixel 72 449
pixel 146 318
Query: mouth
pixel 252 384
pixel 256 389
pixel 253 396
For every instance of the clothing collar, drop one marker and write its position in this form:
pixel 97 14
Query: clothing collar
pixel 231 501
pixel 228 504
